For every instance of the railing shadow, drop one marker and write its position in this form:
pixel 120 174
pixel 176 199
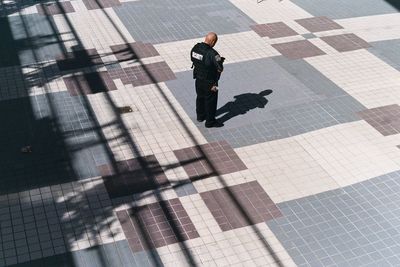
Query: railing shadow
pixel 394 3
pixel 108 211
pixel 243 212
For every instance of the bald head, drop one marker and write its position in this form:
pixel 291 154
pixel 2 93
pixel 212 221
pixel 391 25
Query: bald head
pixel 211 39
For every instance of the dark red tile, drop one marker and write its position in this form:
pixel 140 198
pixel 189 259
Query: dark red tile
pixel 173 229
pixel 346 42
pixel 209 159
pixel 100 4
pixel 50 9
pixel 240 205
pixel 384 119
pixel 143 75
pixel 128 177
pixel 298 49
pixel 318 24
pixel 78 59
pixel 273 30
pixel 124 52
pixel 89 83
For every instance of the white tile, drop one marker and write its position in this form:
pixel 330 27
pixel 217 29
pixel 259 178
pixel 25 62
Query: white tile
pixel 285 169
pixel 374 28
pixel 271 10
pixel 351 152
pixel 362 75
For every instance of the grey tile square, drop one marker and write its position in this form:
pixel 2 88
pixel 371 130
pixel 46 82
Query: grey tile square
pixel 388 51
pixel 314 101
pixel 160 21
pixel 309 36
pixel 353 240
pixel 340 9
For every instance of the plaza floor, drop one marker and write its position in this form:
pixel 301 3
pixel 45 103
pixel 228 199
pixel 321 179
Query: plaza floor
pixel 305 172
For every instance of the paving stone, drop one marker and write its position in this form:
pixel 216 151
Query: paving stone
pixel 273 30
pixel 132 51
pixel 89 83
pixel 142 258
pixel 259 115
pixel 78 59
pixel 8 49
pixel 165 21
pixel 310 77
pixel 53 200
pixel 143 74
pixel 100 4
pixel 49 162
pixel 185 189
pixel 28 39
pixel 345 42
pixel 388 51
pixel 309 36
pixel 156 225
pixel 133 176
pixel 318 24
pixel 298 49
pixel 384 119
pixel 339 243
pixel 341 9
pixel 55 8
pixel 240 205
pixel 210 159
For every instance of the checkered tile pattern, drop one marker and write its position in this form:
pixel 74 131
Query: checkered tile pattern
pixel 100 4
pixel 345 42
pixel 132 176
pixel 273 30
pixel 319 24
pixel 240 205
pixel 103 162
pixel 125 52
pixel 89 83
pixel 55 9
pixel 156 225
pixel 211 159
pixel 384 119
pixel 143 75
pixel 78 59
pixel 298 49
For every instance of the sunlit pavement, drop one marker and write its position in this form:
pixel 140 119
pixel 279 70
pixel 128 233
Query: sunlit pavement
pixel 102 161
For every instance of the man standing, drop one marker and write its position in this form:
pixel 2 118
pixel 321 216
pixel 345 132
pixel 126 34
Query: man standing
pixel 208 66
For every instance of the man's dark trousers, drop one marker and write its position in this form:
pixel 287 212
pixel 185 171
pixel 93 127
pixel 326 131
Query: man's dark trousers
pixel 206 101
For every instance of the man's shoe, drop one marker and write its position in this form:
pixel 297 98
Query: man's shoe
pixel 214 124
pixel 200 119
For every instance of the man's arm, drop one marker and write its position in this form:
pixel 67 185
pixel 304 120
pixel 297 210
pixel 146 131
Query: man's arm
pixel 218 62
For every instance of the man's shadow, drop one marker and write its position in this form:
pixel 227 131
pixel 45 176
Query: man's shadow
pixel 242 104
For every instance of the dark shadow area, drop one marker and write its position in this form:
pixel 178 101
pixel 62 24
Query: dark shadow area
pixel 8 7
pixel 8 51
pixel 126 138
pixel 80 213
pixel 394 3
pixel 47 164
pixel 50 162
pixel 242 104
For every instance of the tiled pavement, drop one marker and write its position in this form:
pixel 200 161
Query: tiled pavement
pixel 305 172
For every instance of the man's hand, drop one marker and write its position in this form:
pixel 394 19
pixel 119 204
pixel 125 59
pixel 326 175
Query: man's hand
pixel 214 88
